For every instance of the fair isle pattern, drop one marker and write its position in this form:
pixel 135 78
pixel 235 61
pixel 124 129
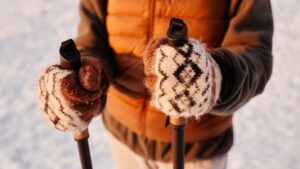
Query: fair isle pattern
pixel 188 80
pixel 54 106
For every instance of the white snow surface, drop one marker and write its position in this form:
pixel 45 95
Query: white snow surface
pixel 266 129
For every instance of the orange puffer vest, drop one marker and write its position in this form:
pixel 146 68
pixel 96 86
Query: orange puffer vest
pixel 130 25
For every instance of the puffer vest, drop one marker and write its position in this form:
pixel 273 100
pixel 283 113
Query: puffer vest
pixel 130 25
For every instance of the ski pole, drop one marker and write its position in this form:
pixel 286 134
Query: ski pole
pixel 70 59
pixel 177 36
pixel 178 125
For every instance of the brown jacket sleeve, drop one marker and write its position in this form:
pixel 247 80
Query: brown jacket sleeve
pixel 245 55
pixel 92 35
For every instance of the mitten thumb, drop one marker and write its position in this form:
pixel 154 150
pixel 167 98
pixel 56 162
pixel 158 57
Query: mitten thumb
pixel 90 73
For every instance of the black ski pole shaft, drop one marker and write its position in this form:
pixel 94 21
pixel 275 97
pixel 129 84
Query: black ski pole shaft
pixel 177 36
pixel 178 142
pixel 70 59
pixel 83 148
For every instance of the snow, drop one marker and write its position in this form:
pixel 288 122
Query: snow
pixel 267 129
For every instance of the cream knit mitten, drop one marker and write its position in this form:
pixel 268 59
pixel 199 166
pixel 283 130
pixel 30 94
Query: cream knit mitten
pixel 69 100
pixel 184 81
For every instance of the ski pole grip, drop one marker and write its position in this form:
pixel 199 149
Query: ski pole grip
pixel 177 33
pixel 70 59
pixel 69 55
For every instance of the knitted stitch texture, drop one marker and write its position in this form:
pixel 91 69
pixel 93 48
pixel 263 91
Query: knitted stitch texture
pixel 69 100
pixel 184 81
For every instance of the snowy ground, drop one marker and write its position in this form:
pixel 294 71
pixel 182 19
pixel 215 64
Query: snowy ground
pixel 266 130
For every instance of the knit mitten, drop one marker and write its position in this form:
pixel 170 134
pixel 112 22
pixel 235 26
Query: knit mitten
pixel 184 81
pixel 69 100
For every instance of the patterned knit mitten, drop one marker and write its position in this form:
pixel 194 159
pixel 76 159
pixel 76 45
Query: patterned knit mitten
pixel 69 100
pixel 184 81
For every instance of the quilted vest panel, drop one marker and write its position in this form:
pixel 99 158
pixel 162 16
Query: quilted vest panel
pixel 132 23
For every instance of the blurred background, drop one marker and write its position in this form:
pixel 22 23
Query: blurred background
pixel 267 129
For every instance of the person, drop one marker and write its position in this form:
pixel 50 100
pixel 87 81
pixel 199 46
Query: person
pixel 235 39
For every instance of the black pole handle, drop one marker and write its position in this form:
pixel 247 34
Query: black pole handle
pixel 177 33
pixel 69 55
pixel 70 59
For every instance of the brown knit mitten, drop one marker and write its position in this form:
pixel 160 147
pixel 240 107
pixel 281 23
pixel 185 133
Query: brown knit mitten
pixel 69 100
pixel 184 81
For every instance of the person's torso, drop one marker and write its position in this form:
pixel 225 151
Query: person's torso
pixel 130 25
